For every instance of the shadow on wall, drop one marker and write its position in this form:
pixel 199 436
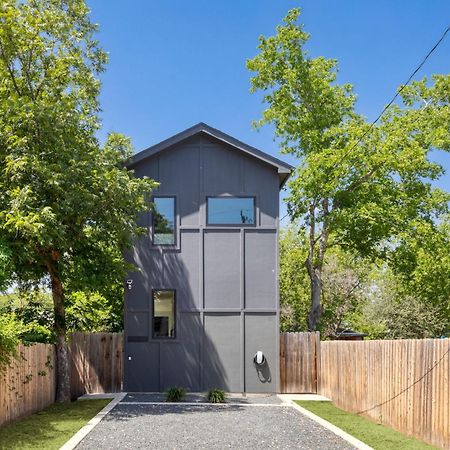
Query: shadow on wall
pixel 190 359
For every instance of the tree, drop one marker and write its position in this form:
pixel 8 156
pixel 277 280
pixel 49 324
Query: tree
pixel 68 207
pixel 357 186
pixel 345 284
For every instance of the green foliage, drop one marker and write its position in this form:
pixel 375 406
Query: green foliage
pixel 87 312
pixel 175 394
pixel 216 395
pixel 294 283
pixel 31 305
pixel 10 330
pixel 356 186
pixel 344 281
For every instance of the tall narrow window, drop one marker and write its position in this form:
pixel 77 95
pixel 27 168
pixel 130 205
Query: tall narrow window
pixel 163 220
pixel 164 314
pixel 231 210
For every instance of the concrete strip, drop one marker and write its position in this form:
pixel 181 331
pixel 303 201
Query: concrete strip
pixel 329 426
pixel 309 397
pixel 82 433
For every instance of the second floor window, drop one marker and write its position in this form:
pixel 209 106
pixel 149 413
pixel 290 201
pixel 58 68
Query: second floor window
pixel 163 220
pixel 231 210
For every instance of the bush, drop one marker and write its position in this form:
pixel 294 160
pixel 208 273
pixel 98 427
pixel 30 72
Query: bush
pixel 216 396
pixel 34 332
pixel 175 394
pixel 10 330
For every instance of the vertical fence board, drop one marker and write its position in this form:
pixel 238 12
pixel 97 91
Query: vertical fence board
pixel 28 384
pixel 402 383
pixel 96 363
pixel 298 366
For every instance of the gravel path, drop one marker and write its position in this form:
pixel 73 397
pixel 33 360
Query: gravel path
pixel 169 426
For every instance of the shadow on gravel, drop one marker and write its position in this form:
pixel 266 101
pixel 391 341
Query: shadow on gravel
pixel 127 412
pixel 201 398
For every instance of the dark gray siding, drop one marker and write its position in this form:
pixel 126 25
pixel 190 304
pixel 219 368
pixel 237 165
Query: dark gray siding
pixel 225 277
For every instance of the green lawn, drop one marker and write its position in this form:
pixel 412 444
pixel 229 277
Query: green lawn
pixel 50 428
pixel 377 436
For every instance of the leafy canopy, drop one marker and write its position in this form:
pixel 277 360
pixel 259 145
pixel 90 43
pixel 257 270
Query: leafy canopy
pixel 67 205
pixel 375 180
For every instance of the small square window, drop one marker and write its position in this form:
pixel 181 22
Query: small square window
pixel 231 210
pixel 163 314
pixel 163 223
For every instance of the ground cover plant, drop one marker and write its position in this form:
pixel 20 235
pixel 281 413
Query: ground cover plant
pixel 378 436
pixel 50 428
pixel 175 394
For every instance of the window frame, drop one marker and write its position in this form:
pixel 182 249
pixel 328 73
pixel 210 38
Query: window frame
pixel 169 338
pixel 175 228
pixel 238 225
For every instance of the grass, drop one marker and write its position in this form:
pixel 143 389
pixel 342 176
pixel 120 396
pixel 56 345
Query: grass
pixel 371 433
pixel 51 427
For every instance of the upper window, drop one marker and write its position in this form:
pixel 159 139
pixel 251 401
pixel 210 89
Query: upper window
pixel 231 210
pixel 164 314
pixel 163 220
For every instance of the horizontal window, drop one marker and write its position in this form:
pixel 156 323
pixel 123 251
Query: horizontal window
pixel 164 314
pixel 163 220
pixel 231 210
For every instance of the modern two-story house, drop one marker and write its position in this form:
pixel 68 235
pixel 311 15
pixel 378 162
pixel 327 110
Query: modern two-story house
pixel 205 299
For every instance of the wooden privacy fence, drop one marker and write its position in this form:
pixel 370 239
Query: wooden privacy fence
pixel 28 384
pixel 402 383
pixel 96 363
pixel 299 362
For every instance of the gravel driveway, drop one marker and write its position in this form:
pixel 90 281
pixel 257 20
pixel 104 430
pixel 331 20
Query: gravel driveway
pixel 198 426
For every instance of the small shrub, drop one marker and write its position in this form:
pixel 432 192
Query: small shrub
pixel 175 394
pixel 216 396
pixel 10 330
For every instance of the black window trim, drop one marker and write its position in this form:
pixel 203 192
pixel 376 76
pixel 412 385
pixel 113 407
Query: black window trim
pixel 240 225
pixel 175 228
pixel 170 338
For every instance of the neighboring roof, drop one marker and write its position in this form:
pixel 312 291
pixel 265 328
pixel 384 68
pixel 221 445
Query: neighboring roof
pixel 284 169
pixel 348 332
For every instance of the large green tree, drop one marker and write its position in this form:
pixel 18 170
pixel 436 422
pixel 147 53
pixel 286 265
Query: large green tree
pixel 356 186
pixel 68 207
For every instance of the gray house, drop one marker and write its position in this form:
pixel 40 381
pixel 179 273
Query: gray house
pixel 205 300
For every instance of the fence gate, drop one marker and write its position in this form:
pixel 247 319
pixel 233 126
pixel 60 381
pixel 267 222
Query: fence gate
pixel 299 358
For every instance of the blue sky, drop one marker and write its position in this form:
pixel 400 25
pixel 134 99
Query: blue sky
pixel 175 63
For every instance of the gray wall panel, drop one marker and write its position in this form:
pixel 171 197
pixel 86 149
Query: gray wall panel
pixel 260 269
pixel 222 170
pixel 222 352
pixel 181 272
pixel 222 267
pixel 137 297
pixel 261 333
pixel 142 370
pixel 180 361
pixel 259 178
pixel 137 323
pixel 175 166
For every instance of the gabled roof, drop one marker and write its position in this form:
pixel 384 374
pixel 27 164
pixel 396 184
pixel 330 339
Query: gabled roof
pixel 284 169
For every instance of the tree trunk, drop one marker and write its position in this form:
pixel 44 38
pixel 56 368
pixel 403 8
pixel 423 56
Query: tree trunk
pixel 314 263
pixel 62 357
pixel 315 276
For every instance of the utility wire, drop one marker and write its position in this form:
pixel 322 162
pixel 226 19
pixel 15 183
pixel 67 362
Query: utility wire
pixel 424 60
pixel 400 90
pixel 408 387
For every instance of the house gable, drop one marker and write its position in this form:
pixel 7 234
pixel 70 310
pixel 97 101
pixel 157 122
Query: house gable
pixel 284 170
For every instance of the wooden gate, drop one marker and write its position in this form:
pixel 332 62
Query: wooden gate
pixel 299 359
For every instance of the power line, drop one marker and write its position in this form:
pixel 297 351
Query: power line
pixel 410 386
pixel 399 91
